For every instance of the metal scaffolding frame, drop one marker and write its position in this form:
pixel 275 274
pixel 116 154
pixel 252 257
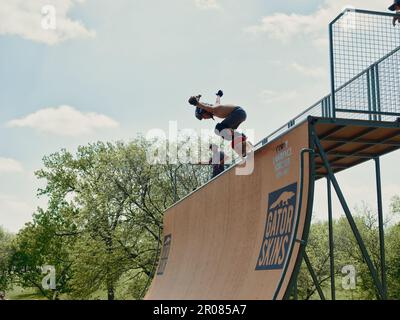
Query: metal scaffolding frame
pixel 317 151
pixel 361 88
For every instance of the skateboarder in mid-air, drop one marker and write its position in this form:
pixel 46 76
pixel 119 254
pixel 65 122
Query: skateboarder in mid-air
pixel 233 116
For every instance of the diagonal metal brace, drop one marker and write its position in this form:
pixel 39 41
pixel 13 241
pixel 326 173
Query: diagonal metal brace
pixel 313 276
pixel 349 216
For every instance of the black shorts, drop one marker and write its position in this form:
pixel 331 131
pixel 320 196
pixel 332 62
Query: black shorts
pixel 236 117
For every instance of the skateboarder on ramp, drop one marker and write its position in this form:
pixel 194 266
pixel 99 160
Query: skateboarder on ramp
pixel 217 160
pixel 227 129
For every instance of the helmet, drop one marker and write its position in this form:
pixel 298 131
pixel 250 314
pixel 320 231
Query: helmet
pixel 199 113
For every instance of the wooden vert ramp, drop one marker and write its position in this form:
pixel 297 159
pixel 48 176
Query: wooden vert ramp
pixel 235 238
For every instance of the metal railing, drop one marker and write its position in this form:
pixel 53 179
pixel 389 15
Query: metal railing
pixel 365 73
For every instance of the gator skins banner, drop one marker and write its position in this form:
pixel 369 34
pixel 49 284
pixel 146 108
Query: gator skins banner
pixel 280 216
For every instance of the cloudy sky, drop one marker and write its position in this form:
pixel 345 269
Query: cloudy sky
pixel 112 69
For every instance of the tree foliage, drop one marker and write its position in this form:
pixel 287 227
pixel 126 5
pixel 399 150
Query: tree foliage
pixel 5 259
pixel 103 223
pixel 347 252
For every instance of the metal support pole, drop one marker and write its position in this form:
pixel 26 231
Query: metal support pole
pixel 313 276
pixel 332 62
pixel 349 217
pixel 328 103
pixel 381 229
pixel 378 92
pixel 373 92
pixel 331 242
pixel 301 241
pixel 370 108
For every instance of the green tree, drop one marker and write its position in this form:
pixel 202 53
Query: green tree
pixel 347 252
pixel 392 239
pixel 5 257
pixel 38 244
pixel 112 202
pixel 318 253
pixel 395 205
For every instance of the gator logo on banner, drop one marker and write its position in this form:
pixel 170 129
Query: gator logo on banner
pixel 278 228
pixel 164 254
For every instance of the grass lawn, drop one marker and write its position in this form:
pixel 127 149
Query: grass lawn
pixel 18 293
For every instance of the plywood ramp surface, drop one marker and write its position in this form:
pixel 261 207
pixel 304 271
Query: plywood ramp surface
pixel 235 237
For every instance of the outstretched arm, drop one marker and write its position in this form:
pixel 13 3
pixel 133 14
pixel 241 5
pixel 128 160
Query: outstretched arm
pixel 195 101
pixel 207 107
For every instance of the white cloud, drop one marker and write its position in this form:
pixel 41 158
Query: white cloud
pixel 64 121
pixel 207 4
pixel 286 27
pixel 314 72
pixel 14 213
pixel 24 18
pixel 8 165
